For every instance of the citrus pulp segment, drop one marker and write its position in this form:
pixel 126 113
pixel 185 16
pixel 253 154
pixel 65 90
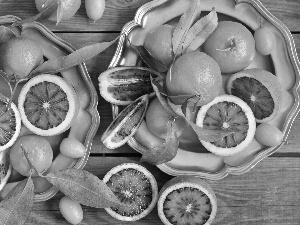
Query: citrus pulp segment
pixel 229 113
pixel 187 200
pixel 260 89
pixel 48 105
pixel 124 126
pixel 5 169
pixel 10 123
pixel 135 187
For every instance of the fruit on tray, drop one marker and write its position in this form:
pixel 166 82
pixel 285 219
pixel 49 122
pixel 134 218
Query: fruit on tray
pixel 126 123
pixel 39 152
pixel 227 112
pixel 260 89
pixel 70 210
pixel 94 9
pixel 135 187
pixel 72 148
pixel 158 43
pixel 48 105
pixel 232 45
pixel 19 56
pixel 68 8
pixel 186 200
pixel 10 123
pixel 122 85
pixel 158 117
pixel 264 40
pixel 268 134
pixel 193 76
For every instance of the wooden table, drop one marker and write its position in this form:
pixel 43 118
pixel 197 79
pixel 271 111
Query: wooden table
pixel 268 194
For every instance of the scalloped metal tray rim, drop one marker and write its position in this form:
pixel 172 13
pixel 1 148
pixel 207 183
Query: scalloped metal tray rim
pixel 226 170
pixel 92 108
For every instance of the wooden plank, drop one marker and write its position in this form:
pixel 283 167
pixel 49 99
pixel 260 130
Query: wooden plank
pixel 117 13
pixel 269 194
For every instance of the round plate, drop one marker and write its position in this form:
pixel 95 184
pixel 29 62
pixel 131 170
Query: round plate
pixel 88 119
pixel 192 158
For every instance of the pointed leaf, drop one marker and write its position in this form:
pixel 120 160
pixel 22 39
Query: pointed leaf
pixel 49 10
pixel 84 188
pixel 16 205
pixel 59 13
pixel 166 152
pixel 58 64
pixel 183 26
pixel 150 60
pixel 5 34
pixel 200 31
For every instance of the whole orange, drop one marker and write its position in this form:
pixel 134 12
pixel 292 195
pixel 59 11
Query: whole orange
pixel 194 74
pixel 232 45
pixel 39 153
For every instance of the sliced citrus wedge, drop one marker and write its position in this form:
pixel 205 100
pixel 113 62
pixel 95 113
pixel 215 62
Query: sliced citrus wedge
pixel 10 123
pixel 124 126
pixel 187 200
pixel 48 105
pixel 229 113
pixel 260 89
pixel 135 187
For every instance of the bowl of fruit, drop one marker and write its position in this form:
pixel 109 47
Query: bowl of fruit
pixel 210 88
pixel 52 117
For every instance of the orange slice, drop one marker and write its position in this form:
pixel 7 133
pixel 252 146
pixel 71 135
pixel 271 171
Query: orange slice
pixel 48 105
pixel 10 123
pixel 230 113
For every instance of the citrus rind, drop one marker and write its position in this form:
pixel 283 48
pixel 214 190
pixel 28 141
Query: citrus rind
pixel 268 80
pixel 224 151
pixel 153 183
pixel 72 100
pixel 186 182
pixel 17 120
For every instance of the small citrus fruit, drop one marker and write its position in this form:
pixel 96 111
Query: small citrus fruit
pixel 232 45
pixel 10 123
pixel 39 152
pixel 19 56
pixel 134 186
pixel 68 8
pixel 264 40
pixel 94 9
pixel 194 74
pixel 260 89
pixel 48 105
pixel 72 148
pixel 157 119
pixel 268 134
pixel 187 200
pixel 70 210
pixel 229 113
pixel 158 42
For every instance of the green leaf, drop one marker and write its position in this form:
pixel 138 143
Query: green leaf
pixel 84 188
pixel 59 13
pixel 5 34
pixel 58 64
pixel 17 204
pixel 166 152
pixel 49 10
pixel 183 26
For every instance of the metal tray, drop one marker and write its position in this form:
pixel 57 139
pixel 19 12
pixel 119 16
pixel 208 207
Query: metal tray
pixel 88 119
pixel 283 62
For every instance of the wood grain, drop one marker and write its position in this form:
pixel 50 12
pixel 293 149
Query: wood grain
pixel 267 195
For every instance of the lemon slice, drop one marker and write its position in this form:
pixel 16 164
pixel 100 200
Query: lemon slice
pixel 48 105
pixel 229 113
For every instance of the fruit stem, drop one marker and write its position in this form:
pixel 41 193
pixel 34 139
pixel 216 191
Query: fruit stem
pixel 232 46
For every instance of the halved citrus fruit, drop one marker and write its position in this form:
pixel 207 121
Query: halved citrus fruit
pixel 187 200
pixel 135 187
pixel 10 123
pixel 48 105
pixel 260 89
pixel 229 113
